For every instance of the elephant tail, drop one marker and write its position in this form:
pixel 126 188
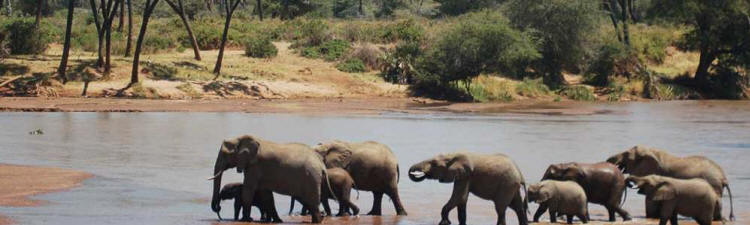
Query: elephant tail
pixel 398 174
pixel 731 203
pixel 354 186
pixel 525 199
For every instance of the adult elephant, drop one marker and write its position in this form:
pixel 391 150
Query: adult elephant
pixel 603 183
pixel 643 161
pixel 288 169
pixel 372 165
pixel 491 177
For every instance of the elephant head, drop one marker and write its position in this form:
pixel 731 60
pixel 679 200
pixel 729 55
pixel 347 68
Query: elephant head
pixel 638 160
pixel 444 168
pixel 539 193
pixel 335 154
pixel 239 152
pixel 564 171
pixel 653 187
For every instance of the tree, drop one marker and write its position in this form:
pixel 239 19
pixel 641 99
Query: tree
pixel 61 71
pixel 180 10
pixel 39 7
pixel 457 7
pixel 122 16
pixel 259 8
pixel 9 7
pixel 720 30
pixel 109 16
pixel 150 6
pixel 562 31
pixel 229 7
pixel 128 45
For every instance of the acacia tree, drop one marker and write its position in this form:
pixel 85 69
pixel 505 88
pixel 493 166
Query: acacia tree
pixel 39 6
pixel 150 5
pixel 229 7
pixel 66 47
pixel 129 46
pixel 180 10
pixel 109 16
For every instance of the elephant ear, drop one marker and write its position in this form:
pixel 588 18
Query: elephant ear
pixel 247 152
pixel 647 161
pixel 575 173
pixel 545 193
pixel 338 156
pixel 664 192
pixel 459 167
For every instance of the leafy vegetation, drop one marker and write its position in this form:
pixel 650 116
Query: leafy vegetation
pixel 353 65
pixel 260 47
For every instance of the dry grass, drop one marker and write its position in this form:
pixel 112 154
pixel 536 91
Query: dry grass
pixel 288 74
pixel 677 63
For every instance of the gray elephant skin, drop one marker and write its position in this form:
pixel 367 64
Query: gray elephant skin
pixel 688 197
pixel 642 161
pixel 262 199
pixel 341 188
pixel 560 198
pixel 288 169
pixel 603 183
pixel 372 166
pixel 491 177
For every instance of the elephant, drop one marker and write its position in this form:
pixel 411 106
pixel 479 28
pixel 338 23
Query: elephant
pixel 603 183
pixel 491 177
pixel 289 169
pixel 341 188
pixel 642 161
pixel 688 197
pixel 563 197
pixel 372 166
pixel 262 199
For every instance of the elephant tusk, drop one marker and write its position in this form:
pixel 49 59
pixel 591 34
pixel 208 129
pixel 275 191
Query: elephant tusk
pixel 417 174
pixel 214 177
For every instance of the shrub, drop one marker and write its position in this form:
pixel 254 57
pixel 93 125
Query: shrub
pixel 406 30
pixel 161 72
pixel 399 64
pixel 330 50
pixel 353 65
pixel 25 38
pixel 260 47
pixel 532 88
pixel 368 54
pixel 579 93
pixel 611 58
pixel 487 88
pixel 310 32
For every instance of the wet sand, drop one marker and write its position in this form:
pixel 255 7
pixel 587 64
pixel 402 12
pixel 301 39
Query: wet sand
pixel 17 183
pixel 306 106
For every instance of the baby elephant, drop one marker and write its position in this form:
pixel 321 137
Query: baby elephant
pixel 688 197
pixel 341 184
pixel 560 197
pixel 263 200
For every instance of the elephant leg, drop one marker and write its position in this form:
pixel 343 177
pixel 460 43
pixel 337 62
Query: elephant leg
pixel 268 208
pixel 315 213
pixel 518 207
pixel 569 219
pixel 377 198
pixel 623 213
pixel 583 218
pixel 291 206
pixel 393 194
pixel 353 207
pixel 539 211
pixel 652 209
pixel 552 216
pixel 717 212
pixel 667 213
pixel 248 193
pixel 237 208
pixel 459 196
pixel 344 203
pixel 326 207
pixel 500 210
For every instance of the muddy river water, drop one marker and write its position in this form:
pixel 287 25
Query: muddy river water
pixel 151 168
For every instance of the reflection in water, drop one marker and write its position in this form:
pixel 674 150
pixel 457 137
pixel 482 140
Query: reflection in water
pixel 151 167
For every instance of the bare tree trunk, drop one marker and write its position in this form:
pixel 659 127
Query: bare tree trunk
pixel 129 45
pixel 150 5
pixel 180 10
pixel 612 7
pixel 624 10
pixel 229 11
pixel 39 6
pixel 110 16
pixel 61 71
pixel 361 10
pixel 260 10
pixel 122 15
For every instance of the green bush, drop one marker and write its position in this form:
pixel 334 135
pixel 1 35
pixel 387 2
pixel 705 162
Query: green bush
pixel 406 30
pixel 399 64
pixel 602 68
pixel 309 32
pixel 532 88
pixel 260 47
pixel 24 38
pixel 579 93
pixel 352 66
pixel 329 50
pixel 160 71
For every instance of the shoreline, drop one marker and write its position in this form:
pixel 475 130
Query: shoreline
pixel 357 106
pixel 16 186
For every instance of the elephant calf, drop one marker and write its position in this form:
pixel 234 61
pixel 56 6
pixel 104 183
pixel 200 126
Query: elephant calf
pixel 563 197
pixel 688 197
pixel 341 187
pixel 263 200
pixel 603 183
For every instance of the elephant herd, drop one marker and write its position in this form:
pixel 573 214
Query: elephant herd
pixel 689 186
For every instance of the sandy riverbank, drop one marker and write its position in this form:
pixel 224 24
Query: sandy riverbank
pixel 304 106
pixel 18 183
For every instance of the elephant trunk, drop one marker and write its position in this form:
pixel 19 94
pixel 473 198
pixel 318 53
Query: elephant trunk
pixel 417 173
pixel 218 170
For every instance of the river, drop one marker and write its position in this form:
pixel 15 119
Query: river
pixel 151 168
